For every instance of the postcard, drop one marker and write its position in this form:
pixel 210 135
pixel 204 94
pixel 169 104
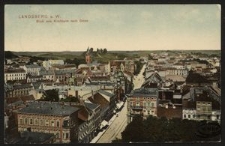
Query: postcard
pixel 111 73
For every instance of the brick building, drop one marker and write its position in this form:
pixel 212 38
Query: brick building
pixel 142 102
pixel 50 117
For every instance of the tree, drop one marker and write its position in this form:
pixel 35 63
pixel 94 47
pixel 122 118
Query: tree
pixel 51 95
pixel 155 129
pixel 10 55
pixel 134 131
pixel 105 51
pixel 76 61
pixel 101 50
pixel 91 50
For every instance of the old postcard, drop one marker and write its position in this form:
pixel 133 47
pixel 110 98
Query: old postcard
pixel 112 73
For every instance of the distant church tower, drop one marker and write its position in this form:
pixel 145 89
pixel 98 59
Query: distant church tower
pixel 88 57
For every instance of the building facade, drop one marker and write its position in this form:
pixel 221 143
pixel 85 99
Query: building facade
pixel 47 117
pixel 142 102
pixel 14 74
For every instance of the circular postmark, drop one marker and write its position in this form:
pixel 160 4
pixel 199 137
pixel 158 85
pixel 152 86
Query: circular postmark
pixel 208 129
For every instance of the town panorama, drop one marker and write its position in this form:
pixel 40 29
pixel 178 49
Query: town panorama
pixel 104 96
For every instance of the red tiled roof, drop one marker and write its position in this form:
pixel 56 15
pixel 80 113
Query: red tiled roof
pixel 26 98
pixel 12 99
pixel 99 99
pixel 83 114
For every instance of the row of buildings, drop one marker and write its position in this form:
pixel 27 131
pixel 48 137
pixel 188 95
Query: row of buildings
pixel 97 89
pixel 175 88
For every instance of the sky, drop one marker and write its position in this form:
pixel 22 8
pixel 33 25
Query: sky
pixel 115 27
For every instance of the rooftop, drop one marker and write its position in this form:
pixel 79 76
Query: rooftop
pixel 91 106
pixel 144 92
pixel 48 108
pixel 11 70
pixel 169 112
pixel 34 137
pixel 32 66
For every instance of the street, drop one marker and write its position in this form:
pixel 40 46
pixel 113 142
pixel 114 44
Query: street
pixel 115 129
pixel 139 79
pixel 120 122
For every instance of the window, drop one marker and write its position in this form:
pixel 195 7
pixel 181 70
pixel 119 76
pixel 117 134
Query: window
pixel 67 135
pixel 152 104
pixel 137 104
pixel 25 120
pixel 53 123
pixel 203 109
pixel 189 116
pixel 57 124
pixel 31 121
pixel 41 122
pixel 46 122
pixel 36 122
pixel 184 116
pixel 218 116
pixel 21 121
pixel 57 135
pixel 131 103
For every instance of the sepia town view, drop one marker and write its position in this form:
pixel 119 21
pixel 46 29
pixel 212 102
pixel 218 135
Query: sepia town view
pixel 103 97
pixel 59 89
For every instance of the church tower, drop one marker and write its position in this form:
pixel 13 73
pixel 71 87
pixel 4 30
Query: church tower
pixel 88 57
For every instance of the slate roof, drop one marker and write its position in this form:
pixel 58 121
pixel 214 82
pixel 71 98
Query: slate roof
pixel 90 105
pixel 144 92
pixel 48 108
pixel 153 78
pixel 22 86
pixel 106 93
pixel 32 66
pixel 36 85
pixel 14 71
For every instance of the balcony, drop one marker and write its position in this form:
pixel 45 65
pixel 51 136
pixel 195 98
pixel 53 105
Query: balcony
pixel 203 112
pixel 136 107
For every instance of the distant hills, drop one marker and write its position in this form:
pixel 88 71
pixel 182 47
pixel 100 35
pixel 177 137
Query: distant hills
pixel 110 54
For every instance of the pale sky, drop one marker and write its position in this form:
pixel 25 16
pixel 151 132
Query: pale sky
pixel 115 27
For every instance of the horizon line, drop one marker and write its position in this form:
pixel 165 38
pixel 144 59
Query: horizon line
pixel 126 50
